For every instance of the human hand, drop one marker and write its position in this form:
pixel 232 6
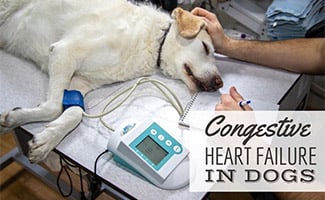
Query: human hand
pixel 231 101
pixel 214 27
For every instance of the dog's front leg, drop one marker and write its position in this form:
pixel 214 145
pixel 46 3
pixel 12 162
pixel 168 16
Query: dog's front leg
pixel 43 143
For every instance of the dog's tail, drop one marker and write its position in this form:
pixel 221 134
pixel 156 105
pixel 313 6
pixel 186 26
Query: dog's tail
pixel 7 7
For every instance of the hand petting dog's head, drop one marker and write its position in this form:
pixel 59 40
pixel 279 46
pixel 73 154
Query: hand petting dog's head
pixel 192 58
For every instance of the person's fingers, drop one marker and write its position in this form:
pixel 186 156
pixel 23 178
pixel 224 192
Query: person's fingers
pixel 222 104
pixel 231 101
pixel 235 95
pixel 227 103
pixel 218 107
pixel 238 98
pixel 204 13
pixel 198 12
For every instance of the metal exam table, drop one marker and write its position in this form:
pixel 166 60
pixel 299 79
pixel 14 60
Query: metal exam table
pixel 23 85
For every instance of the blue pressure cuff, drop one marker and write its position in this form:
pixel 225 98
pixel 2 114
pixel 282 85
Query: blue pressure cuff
pixel 72 98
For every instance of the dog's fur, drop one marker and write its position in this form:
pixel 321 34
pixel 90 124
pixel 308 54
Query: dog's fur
pixel 85 44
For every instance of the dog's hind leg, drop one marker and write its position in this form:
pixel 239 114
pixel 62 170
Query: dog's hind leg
pixel 62 66
pixel 61 70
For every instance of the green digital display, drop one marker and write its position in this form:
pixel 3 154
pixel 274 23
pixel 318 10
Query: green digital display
pixel 153 151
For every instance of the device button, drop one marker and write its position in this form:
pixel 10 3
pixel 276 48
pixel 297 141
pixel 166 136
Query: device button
pixel 153 131
pixel 177 148
pixel 168 143
pixel 161 137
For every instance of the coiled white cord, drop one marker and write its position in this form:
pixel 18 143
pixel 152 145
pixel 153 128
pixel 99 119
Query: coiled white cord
pixel 173 100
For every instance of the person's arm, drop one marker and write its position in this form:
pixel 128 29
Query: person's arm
pixel 297 55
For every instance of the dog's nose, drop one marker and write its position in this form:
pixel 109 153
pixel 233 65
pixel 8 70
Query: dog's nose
pixel 218 82
pixel 212 84
pixel 215 83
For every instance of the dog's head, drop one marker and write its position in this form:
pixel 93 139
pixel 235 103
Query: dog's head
pixel 187 53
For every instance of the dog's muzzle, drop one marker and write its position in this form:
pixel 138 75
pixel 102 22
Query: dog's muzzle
pixel 211 84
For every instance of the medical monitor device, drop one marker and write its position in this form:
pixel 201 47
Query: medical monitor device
pixel 150 150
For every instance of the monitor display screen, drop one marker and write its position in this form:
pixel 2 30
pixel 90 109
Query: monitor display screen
pixel 152 150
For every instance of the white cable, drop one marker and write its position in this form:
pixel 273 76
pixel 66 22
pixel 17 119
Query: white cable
pixel 158 84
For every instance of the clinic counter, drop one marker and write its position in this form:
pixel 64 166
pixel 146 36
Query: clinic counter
pixel 23 85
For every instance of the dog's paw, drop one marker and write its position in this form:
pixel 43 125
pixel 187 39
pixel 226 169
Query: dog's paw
pixel 42 144
pixel 8 121
pixel 4 125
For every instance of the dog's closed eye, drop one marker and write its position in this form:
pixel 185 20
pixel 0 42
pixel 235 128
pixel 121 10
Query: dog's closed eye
pixel 206 48
pixel 188 69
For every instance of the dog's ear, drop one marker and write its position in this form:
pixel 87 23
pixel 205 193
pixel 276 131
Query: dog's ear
pixel 188 25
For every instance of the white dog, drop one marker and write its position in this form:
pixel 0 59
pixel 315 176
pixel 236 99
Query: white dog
pixel 85 44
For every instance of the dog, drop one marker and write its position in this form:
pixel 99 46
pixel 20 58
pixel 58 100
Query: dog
pixel 84 44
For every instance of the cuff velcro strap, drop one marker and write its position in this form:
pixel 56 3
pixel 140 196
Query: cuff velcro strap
pixel 72 98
